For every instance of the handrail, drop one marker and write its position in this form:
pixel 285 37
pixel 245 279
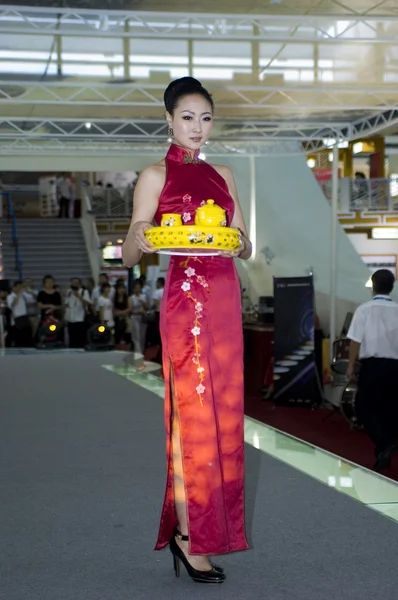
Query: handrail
pixel 18 258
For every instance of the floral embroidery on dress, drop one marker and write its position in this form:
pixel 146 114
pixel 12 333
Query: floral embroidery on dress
pixel 187 198
pixel 186 217
pixel 186 287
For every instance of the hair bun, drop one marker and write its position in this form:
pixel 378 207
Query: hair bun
pixel 174 89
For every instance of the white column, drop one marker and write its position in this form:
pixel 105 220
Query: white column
pixel 333 249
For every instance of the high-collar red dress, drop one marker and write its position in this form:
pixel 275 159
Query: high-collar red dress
pixel 201 329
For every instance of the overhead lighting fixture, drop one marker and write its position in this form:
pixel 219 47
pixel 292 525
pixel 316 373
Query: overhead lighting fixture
pixel 311 162
pixel 87 125
pixel 119 241
pixel 109 243
pixel 385 233
pixel 357 148
pixel 330 156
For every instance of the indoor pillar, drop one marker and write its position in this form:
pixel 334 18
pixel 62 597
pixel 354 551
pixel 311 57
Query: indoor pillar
pixel 377 166
pixel 348 161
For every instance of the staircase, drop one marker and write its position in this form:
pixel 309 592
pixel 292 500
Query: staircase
pixel 47 247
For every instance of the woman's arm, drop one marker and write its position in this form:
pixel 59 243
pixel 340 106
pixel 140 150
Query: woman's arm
pixel 146 199
pixel 238 221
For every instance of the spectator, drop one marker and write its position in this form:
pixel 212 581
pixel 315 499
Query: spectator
pixel 103 278
pixel 158 294
pixel 5 315
pixel 153 332
pixel 105 306
pixel 139 307
pixel 31 299
pixel 20 321
pixel 76 302
pixel 49 300
pixel 90 287
pixel 146 290
pixel 122 310
pixel 66 196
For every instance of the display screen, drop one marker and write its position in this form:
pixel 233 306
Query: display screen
pixel 112 253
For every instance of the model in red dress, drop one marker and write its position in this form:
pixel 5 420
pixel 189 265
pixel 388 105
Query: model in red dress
pixel 201 331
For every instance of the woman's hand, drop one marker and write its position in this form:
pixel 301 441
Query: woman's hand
pixel 138 231
pixel 245 247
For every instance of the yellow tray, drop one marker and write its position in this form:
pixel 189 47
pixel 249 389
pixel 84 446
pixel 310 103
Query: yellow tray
pixel 193 239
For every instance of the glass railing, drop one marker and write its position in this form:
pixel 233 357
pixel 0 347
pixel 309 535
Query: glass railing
pixel 364 195
pixel 111 203
pixel 11 216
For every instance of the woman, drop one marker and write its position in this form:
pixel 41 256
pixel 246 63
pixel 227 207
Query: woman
pixel 203 511
pixel 139 307
pixel 49 300
pixel 105 307
pixel 122 310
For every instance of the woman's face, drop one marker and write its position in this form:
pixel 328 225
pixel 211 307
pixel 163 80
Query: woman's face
pixel 137 289
pixel 121 289
pixel 191 122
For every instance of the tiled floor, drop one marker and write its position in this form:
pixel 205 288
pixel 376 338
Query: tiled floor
pixel 376 491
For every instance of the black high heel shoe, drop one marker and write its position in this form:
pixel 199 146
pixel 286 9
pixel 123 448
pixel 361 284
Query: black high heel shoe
pixel 211 576
pixel 185 538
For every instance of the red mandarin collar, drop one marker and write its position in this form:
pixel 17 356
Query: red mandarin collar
pixel 182 155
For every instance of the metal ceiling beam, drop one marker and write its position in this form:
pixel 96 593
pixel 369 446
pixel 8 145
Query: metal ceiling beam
pixel 197 26
pixel 70 147
pixel 156 129
pixel 285 98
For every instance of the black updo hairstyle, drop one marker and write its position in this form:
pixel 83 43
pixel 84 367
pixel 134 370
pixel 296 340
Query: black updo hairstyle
pixel 185 86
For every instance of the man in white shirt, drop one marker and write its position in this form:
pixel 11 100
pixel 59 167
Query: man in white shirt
pixel 20 322
pixel 158 294
pixel 76 301
pixel 374 340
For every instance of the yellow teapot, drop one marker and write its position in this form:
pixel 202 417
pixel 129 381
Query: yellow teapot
pixel 210 215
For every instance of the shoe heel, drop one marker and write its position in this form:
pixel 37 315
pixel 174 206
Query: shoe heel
pixel 176 565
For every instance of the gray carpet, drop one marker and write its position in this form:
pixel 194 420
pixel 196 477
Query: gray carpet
pixel 81 485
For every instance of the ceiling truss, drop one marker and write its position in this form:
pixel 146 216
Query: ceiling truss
pixel 256 98
pixel 197 26
pixel 257 119
pixel 233 137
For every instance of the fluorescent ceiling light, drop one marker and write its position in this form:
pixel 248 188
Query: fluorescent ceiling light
pixel 358 147
pixel 385 233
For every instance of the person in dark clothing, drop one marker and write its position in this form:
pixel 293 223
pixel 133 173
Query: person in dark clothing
pixel 122 311
pixel 374 340
pixel 49 300
pixel 22 330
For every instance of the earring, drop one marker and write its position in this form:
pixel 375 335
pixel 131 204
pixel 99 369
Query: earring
pixel 170 134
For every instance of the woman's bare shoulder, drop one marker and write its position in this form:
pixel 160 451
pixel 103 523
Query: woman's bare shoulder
pixel 154 174
pixel 222 170
pixel 156 170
